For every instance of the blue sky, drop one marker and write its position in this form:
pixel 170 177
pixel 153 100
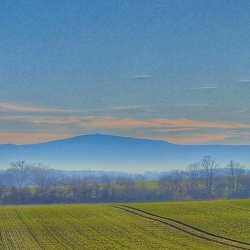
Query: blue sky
pixel 172 70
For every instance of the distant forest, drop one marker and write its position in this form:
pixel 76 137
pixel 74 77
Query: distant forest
pixel 25 183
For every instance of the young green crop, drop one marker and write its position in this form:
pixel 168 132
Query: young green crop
pixel 119 227
pixel 225 218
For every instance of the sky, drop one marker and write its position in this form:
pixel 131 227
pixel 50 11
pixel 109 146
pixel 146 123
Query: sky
pixel 174 70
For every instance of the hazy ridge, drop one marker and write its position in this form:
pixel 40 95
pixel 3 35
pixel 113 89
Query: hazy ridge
pixel 115 153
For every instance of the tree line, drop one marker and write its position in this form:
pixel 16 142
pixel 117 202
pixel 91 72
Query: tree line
pixel 25 183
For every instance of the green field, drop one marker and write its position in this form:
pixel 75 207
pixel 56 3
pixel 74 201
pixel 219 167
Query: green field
pixel 172 225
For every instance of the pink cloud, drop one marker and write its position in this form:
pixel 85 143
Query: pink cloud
pixel 196 139
pixel 125 124
pixel 77 124
pixel 184 123
pixel 7 107
pixel 30 138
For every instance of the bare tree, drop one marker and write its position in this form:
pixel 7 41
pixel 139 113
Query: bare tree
pixel 20 172
pixel 236 171
pixel 2 188
pixel 41 177
pixel 165 187
pixel 194 175
pixel 178 183
pixel 127 188
pixel 106 190
pixel 208 170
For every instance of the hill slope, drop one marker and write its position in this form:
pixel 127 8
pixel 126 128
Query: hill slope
pixel 104 152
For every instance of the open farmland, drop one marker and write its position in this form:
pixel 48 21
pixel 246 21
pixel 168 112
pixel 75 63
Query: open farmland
pixel 183 225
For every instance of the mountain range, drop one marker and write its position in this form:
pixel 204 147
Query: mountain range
pixel 115 153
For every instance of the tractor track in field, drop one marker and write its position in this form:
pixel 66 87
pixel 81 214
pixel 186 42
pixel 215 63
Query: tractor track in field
pixel 185 228
pixel 31 233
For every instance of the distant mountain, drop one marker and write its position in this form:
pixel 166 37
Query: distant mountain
pixel 114 153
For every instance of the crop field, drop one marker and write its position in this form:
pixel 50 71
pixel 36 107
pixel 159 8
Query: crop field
pixel 169 225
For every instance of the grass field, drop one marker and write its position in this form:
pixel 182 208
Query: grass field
pixel 180 225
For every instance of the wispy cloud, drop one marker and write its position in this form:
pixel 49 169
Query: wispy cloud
pixel 240 111
pixel 203 88
pixel 173 130
pixel 196 139
pixel 125 124
pixel 141 76
pixel 184 123
pixel 29 138
pixel 52 120
pixel 181 131
pixel 8 107
pixel 135 107
pixel 194 105
pixel 244 81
